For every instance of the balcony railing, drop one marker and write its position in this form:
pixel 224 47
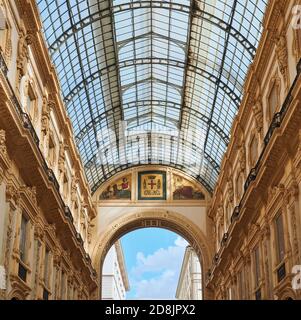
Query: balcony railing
pixel 27 124
pixel 276 123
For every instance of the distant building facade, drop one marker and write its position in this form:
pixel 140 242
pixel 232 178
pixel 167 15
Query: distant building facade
pixel 190 280
pixel 115 282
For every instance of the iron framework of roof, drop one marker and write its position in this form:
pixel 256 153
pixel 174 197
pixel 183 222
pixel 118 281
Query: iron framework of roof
pixel 172 70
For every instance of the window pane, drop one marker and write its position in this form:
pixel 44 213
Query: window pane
pixel 23 238
pixel 257 267
pixel 280 238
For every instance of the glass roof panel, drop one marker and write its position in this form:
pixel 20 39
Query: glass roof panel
pixel 153 81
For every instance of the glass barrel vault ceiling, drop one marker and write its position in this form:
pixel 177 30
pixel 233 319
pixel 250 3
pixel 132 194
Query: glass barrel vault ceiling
pixel 173 69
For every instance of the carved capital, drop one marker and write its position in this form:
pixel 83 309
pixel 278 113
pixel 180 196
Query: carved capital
pixel 31 193
pixel 57 259
pixel 12 193
pixel 39 232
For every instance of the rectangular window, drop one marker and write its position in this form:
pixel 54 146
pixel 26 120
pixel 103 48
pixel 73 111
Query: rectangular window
pixel 280 238
pixel 273 101
pixel 257 266
pixel 63 285
pixel 31 103
pixel 254 152
pixel 51 152
pixel 23 238
pixel 241 285
pixel 46 267
pixel 65 187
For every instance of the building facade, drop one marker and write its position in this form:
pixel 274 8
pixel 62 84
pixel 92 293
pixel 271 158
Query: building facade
pixel 256 204
pixel 61 210
pixel 190 280
pixel 115 281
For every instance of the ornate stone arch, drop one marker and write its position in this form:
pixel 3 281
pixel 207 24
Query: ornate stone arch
pixel 154 218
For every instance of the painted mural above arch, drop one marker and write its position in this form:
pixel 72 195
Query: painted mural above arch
pixel 183 189
pixel 120 189
pixel 141 185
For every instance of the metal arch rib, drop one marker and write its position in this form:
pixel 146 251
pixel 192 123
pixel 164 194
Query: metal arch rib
pixel 233 96
pixel 198 115
pixel 148 4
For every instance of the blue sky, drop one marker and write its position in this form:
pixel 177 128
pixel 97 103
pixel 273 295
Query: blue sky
pixel 153 259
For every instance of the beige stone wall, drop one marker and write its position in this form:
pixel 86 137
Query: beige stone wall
pixel 41 176
pixel 244 210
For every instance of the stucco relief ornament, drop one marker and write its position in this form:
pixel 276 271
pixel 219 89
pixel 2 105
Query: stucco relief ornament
pixel 39 232
pixel 62 157
pixel 220 214
pixel 22 57
pixel 258 114
pixel 230 190
pixel 90 228
pixel 282 55
pixel 74 184
pixel 12 193
pixel 242 157
pixel 45 116
pixel 2 142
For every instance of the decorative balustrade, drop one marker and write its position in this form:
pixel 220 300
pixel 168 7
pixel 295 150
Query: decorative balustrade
pixel 27 124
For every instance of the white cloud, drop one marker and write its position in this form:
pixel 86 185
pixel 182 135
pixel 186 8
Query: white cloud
pixel 166 264
pixel 181 242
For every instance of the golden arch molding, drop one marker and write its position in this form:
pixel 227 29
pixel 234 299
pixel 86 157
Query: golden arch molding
pixel 164 219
